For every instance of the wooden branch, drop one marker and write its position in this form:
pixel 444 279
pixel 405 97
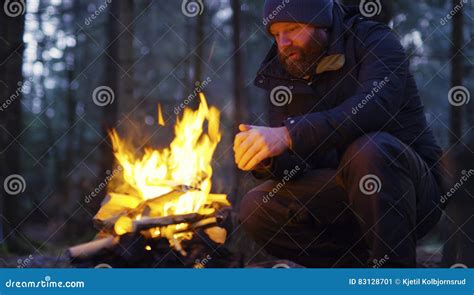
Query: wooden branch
pixel 91 248
pixel 201 224
pixel 148 223
pixel 112 208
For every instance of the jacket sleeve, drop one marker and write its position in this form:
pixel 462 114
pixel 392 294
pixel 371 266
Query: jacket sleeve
pixel 382 76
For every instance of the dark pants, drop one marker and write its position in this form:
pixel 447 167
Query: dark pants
pixel 369 212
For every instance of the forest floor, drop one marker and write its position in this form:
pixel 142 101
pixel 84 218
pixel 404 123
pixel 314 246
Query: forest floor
pixel 428 254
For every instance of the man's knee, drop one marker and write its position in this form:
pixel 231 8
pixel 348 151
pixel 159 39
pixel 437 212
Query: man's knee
pixel 251 214
pixel 266 208
pixel 366 168
pixel 372 149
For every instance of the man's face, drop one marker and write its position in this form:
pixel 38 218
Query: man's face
pixel 300 47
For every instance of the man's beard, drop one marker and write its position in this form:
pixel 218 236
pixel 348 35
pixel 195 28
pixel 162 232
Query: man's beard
pixel 307 60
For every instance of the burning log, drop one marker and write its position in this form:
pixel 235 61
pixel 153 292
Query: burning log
pixel 209 223
pixel 110 211
pixel 115 206
pixel 215 225
pixel 149 223
pixel 112 208
pixel 116 210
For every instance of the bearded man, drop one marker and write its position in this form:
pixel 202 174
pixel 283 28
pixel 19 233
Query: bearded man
pixel 351 167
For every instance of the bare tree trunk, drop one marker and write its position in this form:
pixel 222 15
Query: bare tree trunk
pixel 118 76
pixel 457 72
pixel 66 160
pixel 198 69
pixel 110 80
pixel 187 78
pixel 126 58
pixel 11 122
pixel 238 84
pixel 458 247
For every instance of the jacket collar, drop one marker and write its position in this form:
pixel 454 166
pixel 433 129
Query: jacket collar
pixel 334 59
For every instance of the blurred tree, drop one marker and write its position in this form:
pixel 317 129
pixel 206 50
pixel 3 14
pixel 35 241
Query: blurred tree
pixel 11 122
pixel 238 79
pixel 457 69
pixel 458 225
pixel 199 49
pixel 66 160
pixel 469 69
pixel 118 42
pixel 126 57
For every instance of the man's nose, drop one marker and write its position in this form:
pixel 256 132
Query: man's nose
pixel 283 41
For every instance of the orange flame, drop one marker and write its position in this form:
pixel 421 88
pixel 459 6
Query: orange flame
pixel 187 162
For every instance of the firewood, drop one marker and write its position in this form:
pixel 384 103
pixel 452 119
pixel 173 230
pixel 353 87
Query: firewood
pixel 115 203
pixel 121 214
pixel 111 209
pixel 201 224
pixel 220 199
pixel 91 248
pixel 154 207
pixel 148 223
pixel 113 206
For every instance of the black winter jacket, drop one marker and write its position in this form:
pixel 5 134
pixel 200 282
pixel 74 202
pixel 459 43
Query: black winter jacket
pixel 362 85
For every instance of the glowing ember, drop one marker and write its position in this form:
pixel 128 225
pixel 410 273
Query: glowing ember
pixel 168 182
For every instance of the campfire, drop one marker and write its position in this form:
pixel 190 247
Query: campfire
pixel 163 195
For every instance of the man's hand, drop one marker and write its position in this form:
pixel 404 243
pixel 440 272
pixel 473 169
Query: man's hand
pixel 254 144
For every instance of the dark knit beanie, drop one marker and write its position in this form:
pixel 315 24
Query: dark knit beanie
pixel 312 12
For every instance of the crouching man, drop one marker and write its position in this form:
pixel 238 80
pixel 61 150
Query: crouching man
pixel 351 167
